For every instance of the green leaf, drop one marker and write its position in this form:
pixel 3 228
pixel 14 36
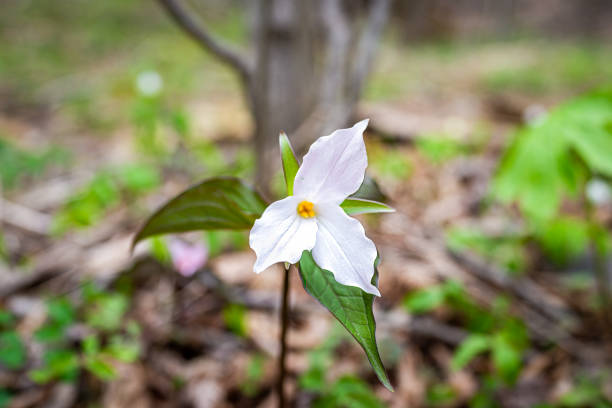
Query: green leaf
pixel 290 163
pixel 107 311
pixel 563 238
pixel 353 206
pixel 5 398
pixel 426 299
pixel 234 316
pixel 441 395
pixel 123 349
pixel 100 368
pixel 369 190
pixel 349 392
pixel 254 374
pixel 506 357
pixel 6 318
pixel 91 345
pixel 350 305
pixel 62 364
pixel 473 345
pixel 61 311
pixel 218 203
pixel 12 350
pixel 50 333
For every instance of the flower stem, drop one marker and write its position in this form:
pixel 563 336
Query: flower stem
pixel 284 322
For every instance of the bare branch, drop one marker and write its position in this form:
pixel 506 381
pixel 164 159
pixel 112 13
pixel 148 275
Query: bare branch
pixel 199 33
pixel 366 47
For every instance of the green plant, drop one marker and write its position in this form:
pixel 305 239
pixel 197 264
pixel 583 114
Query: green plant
pixel 15 163
pixel 254 373
pixel 111 338
pixel 440 395
pixel 492 330
pixel 505 250
pixel 104 192
pixel 389 162
pixel 346 391
pixel 587 392
pixel 332 172
pixel 551 160
pixel 549 163
pixel 234 316
pixel 440 148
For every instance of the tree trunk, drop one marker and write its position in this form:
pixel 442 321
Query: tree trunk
pixel 283 65
pixel 311 61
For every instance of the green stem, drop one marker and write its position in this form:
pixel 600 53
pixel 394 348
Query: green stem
pixel 284 322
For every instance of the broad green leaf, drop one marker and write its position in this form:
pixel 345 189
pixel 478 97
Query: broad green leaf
pixel 470 347
pixel 349 304
pixel 218 203
pixel 290 163
pixel 353 206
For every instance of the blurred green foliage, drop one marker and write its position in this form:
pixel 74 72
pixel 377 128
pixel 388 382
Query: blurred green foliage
pixel 346 391
pixel 107 45
pixel 549 162
pixel 440 148
pixel 552 158
pixel 110 336
pixel 17 164
pixel 492 329
pixel 506 250
pixel 558 67
pixel 389 162
pixel 254 375
pixel 105 191
pixel 586 393
pixel 234 316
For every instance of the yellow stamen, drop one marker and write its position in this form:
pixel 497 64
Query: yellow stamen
pixel 306 209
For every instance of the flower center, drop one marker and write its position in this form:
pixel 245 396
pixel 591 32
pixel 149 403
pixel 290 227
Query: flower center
pixel 306 209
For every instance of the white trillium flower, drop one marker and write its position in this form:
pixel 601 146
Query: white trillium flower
pixel 312 219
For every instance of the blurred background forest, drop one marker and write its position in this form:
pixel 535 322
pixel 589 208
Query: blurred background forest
pixel 490 134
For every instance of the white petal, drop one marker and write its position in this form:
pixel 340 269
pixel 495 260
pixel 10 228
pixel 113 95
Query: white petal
pixel 334 166
pixel 343 248
pixel 281 235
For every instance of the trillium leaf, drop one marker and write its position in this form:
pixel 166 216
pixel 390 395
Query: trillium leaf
pixel 290 163
pixel 217 203
pixel 349 304
pixel 353 206
pixel 369 190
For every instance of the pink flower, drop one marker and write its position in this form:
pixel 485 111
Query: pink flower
pixel 188 258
